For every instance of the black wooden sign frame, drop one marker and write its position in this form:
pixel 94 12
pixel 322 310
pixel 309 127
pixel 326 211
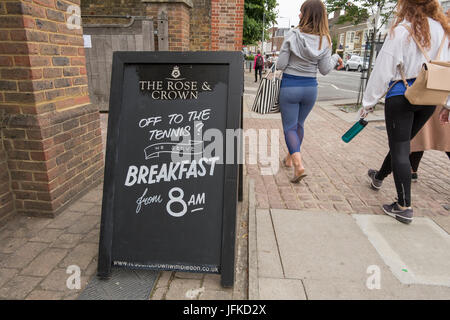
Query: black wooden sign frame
pixel 234 61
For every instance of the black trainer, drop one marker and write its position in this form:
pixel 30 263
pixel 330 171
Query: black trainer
pixel 393 210
pixel 374 182
pixel 414 177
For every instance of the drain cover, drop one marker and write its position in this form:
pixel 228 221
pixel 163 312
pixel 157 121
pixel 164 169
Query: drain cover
pixel 124 284
pixel 382 128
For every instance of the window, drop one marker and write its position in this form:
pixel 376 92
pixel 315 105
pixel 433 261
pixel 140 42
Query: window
pixel 352 37
pixel 341 38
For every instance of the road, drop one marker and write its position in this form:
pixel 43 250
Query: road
pixel 336 85
pixel 339 85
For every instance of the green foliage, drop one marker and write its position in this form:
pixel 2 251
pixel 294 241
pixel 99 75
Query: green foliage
pixel 359 11
pixel 334 41
pixel 254 11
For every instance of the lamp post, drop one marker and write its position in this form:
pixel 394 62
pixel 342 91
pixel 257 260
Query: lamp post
pixel 264 25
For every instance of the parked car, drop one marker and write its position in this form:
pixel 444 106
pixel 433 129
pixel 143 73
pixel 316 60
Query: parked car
pixel 356 63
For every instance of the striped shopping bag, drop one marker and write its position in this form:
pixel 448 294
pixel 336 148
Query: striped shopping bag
pixel 266 100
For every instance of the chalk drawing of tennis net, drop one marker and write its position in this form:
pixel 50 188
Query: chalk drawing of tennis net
pixel 191 148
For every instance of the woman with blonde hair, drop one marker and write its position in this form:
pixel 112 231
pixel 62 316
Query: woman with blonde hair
pixel 305 50
pixel 425 22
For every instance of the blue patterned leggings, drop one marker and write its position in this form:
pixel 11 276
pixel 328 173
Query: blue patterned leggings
pixel 296 102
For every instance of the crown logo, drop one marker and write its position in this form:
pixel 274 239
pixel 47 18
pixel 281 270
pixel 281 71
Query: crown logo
pixel 176 72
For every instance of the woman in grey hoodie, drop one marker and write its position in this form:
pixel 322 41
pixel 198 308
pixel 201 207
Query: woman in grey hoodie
pixel 305 50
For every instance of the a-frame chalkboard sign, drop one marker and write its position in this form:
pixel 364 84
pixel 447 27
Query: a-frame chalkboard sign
pixel 171 173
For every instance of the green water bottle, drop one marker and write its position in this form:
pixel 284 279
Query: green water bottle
pixel 353 132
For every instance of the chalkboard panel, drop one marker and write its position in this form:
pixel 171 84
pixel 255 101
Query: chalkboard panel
pixel 170 189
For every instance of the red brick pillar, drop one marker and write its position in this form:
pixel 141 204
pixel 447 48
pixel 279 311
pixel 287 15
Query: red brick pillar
pixel 227 22
pixel 178 12
pixel 6 196
pixel 51 132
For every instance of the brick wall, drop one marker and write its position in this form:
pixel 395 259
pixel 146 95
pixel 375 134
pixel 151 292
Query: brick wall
pixel 200 25
pixel 227 20
pixel 178 14
pixel 111 7
pixel 196 25
pixel 6 196
pixel 52 136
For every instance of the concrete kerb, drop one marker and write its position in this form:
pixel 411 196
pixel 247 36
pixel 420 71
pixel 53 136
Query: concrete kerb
pixel 253 287
pixel 332 107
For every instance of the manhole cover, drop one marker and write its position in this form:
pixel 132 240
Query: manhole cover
pixel 124 284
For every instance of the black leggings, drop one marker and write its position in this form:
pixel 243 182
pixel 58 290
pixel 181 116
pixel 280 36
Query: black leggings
pixel 258 70
pixel 403 122
pixel 415 158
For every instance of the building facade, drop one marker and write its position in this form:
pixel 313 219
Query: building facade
pixel 352 40
pixel 445 5
pixel 194 25
pixel 51 149
pixel 276 38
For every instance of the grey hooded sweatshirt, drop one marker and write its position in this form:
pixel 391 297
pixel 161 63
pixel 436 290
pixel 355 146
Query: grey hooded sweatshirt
pixel 300 55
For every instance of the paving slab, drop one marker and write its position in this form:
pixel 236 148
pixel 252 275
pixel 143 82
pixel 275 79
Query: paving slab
pixel 47 235
pixel 24 255
pixel 215 295
pixel 67 241
pixel 418 253
pixel 269 263
pixel 18 287
pixel 11 245
pixel 443 222
pixel 281 289
pixel 184 289
pixel 320 245
pixel 333 256
pixel 212 282
pixel 6 275
pixel 81 255
pixel 45 262
pixel 342 289
pixel 45 295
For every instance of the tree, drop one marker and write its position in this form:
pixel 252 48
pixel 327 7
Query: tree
pixel 258 14
pixel 359 11
pixel 334 41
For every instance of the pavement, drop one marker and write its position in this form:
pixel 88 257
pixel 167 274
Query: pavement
pixel 36 256
pixel 325 238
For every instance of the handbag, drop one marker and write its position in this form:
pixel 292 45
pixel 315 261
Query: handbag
pixel 267 96
pixel 432 85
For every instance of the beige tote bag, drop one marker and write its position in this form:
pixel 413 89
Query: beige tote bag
pixel 432 85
